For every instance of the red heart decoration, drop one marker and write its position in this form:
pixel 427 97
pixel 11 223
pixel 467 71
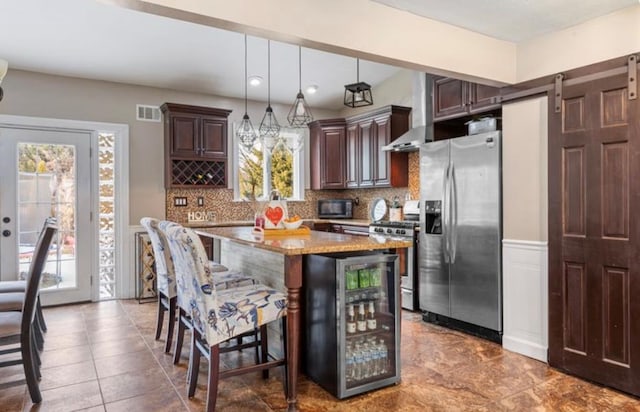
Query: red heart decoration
pixel 274 214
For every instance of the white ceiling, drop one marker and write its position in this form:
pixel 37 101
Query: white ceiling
pixel 87 39
pixel 512 20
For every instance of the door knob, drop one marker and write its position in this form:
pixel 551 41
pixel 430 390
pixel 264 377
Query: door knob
pixel 6 219
pixel 6 233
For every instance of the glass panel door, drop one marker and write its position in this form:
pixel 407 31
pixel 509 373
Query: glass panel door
pixel 47 173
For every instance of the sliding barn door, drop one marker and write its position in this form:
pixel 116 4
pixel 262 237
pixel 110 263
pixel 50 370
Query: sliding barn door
pixel 594 234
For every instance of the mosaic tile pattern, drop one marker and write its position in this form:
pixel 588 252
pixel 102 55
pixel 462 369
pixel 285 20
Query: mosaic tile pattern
pixel 414 175
pixel 220 202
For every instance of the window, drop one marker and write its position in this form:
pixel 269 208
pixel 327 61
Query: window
pixel 276 164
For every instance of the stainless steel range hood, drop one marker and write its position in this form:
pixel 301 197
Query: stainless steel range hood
pixel 421 131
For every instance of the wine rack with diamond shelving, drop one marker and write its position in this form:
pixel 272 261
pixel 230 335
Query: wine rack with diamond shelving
pixel 195 146
pixel 187 173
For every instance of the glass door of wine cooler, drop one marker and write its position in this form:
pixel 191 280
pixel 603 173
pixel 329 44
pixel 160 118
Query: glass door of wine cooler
pixel 368 308
pixel 351 321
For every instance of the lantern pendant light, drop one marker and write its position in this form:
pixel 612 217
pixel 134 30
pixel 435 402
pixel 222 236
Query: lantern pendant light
pixel 246 134
pixel 300 114
pixel 357 94
pixel 269 127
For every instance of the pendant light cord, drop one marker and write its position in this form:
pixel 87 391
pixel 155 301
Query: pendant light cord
pixel 245 73
pixel 300 68
pixel 269 72
pixel 357 70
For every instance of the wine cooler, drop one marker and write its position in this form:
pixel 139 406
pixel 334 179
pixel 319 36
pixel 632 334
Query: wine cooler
pixel 352 324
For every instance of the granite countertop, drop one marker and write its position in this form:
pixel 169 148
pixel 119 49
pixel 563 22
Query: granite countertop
pixel 313 243
pixel 205 224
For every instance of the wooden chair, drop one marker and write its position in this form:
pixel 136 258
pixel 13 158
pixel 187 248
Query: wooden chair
pixel 219 316
pixel 18 327
pixel 12 293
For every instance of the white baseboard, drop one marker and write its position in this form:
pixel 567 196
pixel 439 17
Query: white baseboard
pixel 526 348
pixel 525 297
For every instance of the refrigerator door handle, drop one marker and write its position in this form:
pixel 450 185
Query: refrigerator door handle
pixel 454 214
pixel 445 212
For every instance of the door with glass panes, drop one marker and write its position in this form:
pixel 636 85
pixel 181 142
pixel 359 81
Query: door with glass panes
pixel 47 173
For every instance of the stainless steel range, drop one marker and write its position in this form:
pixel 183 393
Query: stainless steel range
pixel 405 230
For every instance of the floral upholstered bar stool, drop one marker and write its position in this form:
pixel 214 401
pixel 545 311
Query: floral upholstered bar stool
pixel 220 315
pixel 166 280
pixel 222 277
pixel 167 294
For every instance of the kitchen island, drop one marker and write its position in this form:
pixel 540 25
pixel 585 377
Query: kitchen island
pixel 277 261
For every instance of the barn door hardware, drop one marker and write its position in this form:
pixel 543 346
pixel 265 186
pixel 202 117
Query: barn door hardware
pixel 633 77
pixel 557 91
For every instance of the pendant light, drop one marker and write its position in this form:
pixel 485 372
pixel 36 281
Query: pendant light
pixel 357 94
pixel 246 133
pixel 269 127
pixel 300 114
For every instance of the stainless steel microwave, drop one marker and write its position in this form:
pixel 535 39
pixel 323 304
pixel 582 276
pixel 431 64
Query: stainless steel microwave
pixel 335 209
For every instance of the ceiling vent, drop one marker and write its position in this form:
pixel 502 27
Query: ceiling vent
pixel 148 113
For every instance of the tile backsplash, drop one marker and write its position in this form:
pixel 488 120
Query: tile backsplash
pixel 220 203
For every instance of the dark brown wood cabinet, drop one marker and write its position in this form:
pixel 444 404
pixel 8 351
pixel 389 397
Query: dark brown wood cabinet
pixel 327 153
pixel 456 98
pixel 195 145
pixel 367 164
pixel 347 153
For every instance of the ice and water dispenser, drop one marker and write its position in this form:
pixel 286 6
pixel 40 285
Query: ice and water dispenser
pixel 433 216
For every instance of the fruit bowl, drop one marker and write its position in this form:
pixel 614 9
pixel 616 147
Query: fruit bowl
pixel 292 225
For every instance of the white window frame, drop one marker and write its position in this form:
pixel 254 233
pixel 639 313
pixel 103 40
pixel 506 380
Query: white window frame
pixel 298 168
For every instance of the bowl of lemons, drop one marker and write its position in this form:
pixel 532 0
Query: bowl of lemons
pixel 293 222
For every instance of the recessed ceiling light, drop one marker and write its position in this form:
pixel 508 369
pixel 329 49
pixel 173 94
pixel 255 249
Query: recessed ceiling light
pixel 255 81
pixel 311 89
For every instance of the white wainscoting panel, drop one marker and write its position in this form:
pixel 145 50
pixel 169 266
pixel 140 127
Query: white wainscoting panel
pixel 525 297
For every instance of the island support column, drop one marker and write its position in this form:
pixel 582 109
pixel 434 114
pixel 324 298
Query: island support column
pixel 293 282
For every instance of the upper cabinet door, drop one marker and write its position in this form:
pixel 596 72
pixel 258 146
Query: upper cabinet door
pixel 483 97
pixel 334 159
pixel 214 137
pixel 449 97
pixel 353 156
pixel 367 158
pixel 184 134
pixel 382 169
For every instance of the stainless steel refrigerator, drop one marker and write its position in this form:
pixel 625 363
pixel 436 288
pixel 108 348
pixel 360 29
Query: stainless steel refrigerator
pixel 461 233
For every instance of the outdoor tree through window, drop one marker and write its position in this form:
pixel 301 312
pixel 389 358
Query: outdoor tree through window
pixel 261 170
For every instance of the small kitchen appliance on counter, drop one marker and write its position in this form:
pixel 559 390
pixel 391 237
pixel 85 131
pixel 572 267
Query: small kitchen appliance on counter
pixel 335 209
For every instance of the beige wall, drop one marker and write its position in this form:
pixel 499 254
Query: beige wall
pixel 524 170
pixel 355 27
pixel 393 36
pixel 39 95
pixel 603 38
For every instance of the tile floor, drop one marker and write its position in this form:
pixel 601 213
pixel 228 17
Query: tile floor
pixel 103 356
